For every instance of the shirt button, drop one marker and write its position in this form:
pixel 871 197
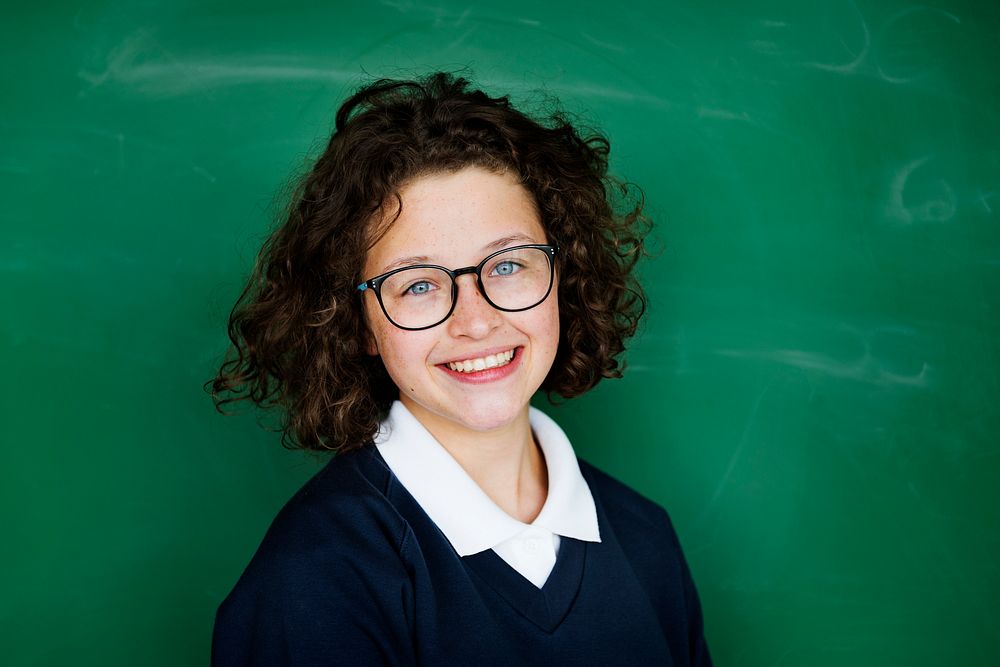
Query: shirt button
pixel 532 545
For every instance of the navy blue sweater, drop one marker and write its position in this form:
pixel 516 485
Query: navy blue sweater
pixel 354 572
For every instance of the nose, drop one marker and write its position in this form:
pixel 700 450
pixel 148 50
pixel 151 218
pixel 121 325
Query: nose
pixel 473 316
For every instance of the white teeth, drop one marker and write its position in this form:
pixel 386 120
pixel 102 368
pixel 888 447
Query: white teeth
pixel 482 363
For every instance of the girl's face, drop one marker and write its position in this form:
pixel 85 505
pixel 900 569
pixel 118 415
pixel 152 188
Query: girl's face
pixel 455 220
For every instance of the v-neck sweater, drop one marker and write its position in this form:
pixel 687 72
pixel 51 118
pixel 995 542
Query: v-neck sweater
pixel 354 572
pixel 440 484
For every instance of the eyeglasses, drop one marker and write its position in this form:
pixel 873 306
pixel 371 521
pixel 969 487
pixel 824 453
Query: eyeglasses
pixel 424 295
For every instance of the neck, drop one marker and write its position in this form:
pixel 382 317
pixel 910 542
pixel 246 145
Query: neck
pixel 506 462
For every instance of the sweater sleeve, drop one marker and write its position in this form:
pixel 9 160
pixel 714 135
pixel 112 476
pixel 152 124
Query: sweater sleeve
pixel 320 594
pixel 651 545
pixel 698 647
pixel 347 621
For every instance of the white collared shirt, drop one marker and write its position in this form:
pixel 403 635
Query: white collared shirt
pixel 440 485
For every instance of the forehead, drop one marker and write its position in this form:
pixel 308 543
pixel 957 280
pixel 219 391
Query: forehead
pixel 454 218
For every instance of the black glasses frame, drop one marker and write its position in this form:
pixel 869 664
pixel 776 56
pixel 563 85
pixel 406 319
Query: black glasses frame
pixel 375 284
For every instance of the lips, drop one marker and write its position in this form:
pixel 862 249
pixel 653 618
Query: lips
pixel 482 363
pixel 490 366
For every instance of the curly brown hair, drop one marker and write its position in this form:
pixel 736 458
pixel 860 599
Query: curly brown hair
pixel 298 329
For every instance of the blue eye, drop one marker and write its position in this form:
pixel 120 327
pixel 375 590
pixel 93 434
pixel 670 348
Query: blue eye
pixel 505 268
pixel 418 288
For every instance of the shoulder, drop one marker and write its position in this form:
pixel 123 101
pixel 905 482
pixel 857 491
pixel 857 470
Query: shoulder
pixel 331 567
pixel 347 495
pixel 339 524
pixel 340 515
pixel 627 509
pixel 649 542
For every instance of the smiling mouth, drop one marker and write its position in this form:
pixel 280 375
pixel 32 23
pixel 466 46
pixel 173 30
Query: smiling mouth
pixel 481 363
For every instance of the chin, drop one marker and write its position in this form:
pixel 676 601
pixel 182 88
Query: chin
pixel 475 416
pixel 490 418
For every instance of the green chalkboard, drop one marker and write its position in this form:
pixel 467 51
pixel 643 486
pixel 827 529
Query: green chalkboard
pixel 815 396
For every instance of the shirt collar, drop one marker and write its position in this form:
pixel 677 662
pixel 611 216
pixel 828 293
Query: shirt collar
pixel 439 484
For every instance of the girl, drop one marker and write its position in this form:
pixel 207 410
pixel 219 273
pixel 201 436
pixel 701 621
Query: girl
pixel 447 257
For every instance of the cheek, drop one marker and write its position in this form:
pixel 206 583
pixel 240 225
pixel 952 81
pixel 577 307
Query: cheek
pixel 552 313
pixel 403 353
pixel 384 342
pixel 547 326
pixel 374 321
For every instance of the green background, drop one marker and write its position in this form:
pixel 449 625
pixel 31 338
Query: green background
pixel 814 396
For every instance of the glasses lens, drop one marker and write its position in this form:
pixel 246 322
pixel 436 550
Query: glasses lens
pixel 417 297
pixel 517 279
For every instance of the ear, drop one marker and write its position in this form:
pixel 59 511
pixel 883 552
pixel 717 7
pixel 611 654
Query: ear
pixel 368 338
pixel 371 345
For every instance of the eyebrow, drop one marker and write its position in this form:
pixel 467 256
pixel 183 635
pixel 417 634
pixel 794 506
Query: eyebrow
pixel 406 261
pixel 493 246
pixel 508 240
